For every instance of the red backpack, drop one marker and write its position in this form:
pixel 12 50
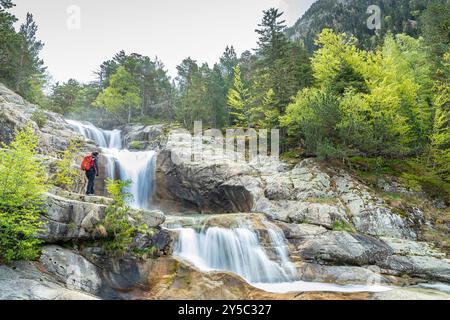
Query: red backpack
pixel 86 163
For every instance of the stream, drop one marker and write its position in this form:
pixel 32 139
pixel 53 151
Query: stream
pixel 236 249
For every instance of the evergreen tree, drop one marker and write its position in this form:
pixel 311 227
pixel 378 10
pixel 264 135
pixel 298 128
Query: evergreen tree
pixel 238 101
pixel 30 66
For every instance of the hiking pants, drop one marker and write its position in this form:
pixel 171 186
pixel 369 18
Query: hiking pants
pixel 90 174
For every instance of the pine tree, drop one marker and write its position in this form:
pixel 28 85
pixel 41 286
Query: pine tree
pixel 29 64
pixel 238 100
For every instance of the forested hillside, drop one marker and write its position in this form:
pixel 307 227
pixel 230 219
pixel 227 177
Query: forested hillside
pixel 350 16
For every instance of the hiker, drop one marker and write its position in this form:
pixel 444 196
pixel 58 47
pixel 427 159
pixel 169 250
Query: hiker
pixel 90 165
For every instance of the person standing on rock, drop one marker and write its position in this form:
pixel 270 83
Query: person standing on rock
pixel 90 166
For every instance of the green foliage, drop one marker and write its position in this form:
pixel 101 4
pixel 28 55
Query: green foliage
pixel 117 222
pixel 122 95
pixel 23 182
pixel 238 100
pixel 440 138
pixel 39 117
pixel 66 174
pixel 414 174
pixel 136 145
pixel 202 95
pixel 372 103
pixel 20 65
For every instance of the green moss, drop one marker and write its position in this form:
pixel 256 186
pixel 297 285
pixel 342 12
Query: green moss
pixel 342 226
pixel 138 145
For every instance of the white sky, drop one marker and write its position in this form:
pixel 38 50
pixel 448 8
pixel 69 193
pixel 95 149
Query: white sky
pixel 169 29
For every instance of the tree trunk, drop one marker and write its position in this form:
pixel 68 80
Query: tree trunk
pixel 129 114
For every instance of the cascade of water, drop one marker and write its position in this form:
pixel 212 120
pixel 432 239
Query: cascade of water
pixel 121 163
pixel 89 131
pixel 237 250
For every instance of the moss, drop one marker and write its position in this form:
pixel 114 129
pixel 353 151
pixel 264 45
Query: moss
pixel 342 226
pixel 138 145
pixel 72 226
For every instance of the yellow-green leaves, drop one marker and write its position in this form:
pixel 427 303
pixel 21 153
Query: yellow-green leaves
pixel 23 182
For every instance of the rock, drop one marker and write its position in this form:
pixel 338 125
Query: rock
pixel 341 274
pixel 318 214
pixel 224 182
pixel 419 266
pixel 152 218
pixel 15 113
pixel 72 269
pixel 25 281
pixel 146 137
pixel 411 294
pixel 300 231
pixel 67 219
pixel 404 247
pixel 343 248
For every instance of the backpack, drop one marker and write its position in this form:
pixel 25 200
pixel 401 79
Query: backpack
pixel 86 163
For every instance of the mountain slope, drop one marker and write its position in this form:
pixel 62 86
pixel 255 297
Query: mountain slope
pixel 350 16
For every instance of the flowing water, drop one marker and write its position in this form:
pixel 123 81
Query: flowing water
pixel 240 250
pixel 121 163
pixel 237 249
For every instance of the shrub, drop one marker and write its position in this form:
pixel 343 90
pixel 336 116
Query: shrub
pixel 66 174
pixel 136 145
pixel 23 182
pixel 117 223
pixel 39 117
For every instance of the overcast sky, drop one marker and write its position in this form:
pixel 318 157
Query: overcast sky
pixel 169 29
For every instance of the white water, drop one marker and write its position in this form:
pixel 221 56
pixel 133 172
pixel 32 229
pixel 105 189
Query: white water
pixel 239 250
pixel 121 163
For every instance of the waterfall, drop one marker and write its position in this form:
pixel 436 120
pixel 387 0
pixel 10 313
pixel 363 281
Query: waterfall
pixel 121 163
pixel 237 250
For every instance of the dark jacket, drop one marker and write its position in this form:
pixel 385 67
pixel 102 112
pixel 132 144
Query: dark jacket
pixel 95 166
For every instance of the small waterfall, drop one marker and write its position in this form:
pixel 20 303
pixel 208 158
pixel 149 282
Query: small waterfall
pixel 137 167
pixel 121 163
pixel 237 250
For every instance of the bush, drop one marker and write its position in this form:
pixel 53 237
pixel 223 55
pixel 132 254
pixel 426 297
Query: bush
pixel 138 145
pixel 23 182
pixel 39 117
pixel 117 223
pixel 66 174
